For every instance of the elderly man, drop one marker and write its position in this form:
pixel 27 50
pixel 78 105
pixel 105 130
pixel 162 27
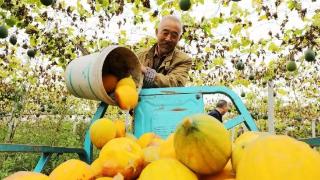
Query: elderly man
pixel 163 65
pixel 220 110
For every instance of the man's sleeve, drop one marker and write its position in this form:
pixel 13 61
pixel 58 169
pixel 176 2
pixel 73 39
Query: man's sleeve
pixel 176 77
pixel 215 114
pixel 140 55
pixel 210 113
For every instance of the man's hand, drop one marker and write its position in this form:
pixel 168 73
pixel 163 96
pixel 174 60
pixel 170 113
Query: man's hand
pixel 143 69
pixel 149 75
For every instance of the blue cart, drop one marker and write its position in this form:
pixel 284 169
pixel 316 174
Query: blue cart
pixel 159 110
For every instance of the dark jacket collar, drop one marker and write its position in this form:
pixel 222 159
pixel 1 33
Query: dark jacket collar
pixel 168 58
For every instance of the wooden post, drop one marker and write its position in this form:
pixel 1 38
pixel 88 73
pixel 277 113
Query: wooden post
pixel 313 128
pixel 233 132
pixel 271 107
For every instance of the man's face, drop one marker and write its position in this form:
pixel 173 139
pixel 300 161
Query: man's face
pixel 168 35
pixel 224 109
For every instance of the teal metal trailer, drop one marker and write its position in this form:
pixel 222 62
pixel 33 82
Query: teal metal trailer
pixel 159 110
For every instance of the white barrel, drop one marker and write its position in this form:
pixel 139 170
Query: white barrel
pixel 84 74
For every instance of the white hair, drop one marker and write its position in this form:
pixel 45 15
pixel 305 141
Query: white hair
pixel 172 18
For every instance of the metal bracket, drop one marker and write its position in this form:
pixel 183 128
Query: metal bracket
pixel 45 157
pixel 87 142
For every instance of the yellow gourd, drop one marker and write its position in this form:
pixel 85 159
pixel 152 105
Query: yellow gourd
pixel 72 169
pixel 117 177
pixel 202 143
pixel 167 169
pixel 121 155
pixel 121 128
pixel 109 82
pixel 279 157
pixel 26 175
pixel 240 145
pixel 105 178
pixel 126 97
pixel 102 131
pixel 225 174
pixel 145 139
pixel 166 149
pixel 131 136
pixel 128 81
pixel 149 139
pixel 97 168
pixel 150 154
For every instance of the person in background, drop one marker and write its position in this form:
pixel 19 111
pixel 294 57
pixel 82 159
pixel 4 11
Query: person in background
pixel 240 131
pixel 220 110
pixel 163 65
